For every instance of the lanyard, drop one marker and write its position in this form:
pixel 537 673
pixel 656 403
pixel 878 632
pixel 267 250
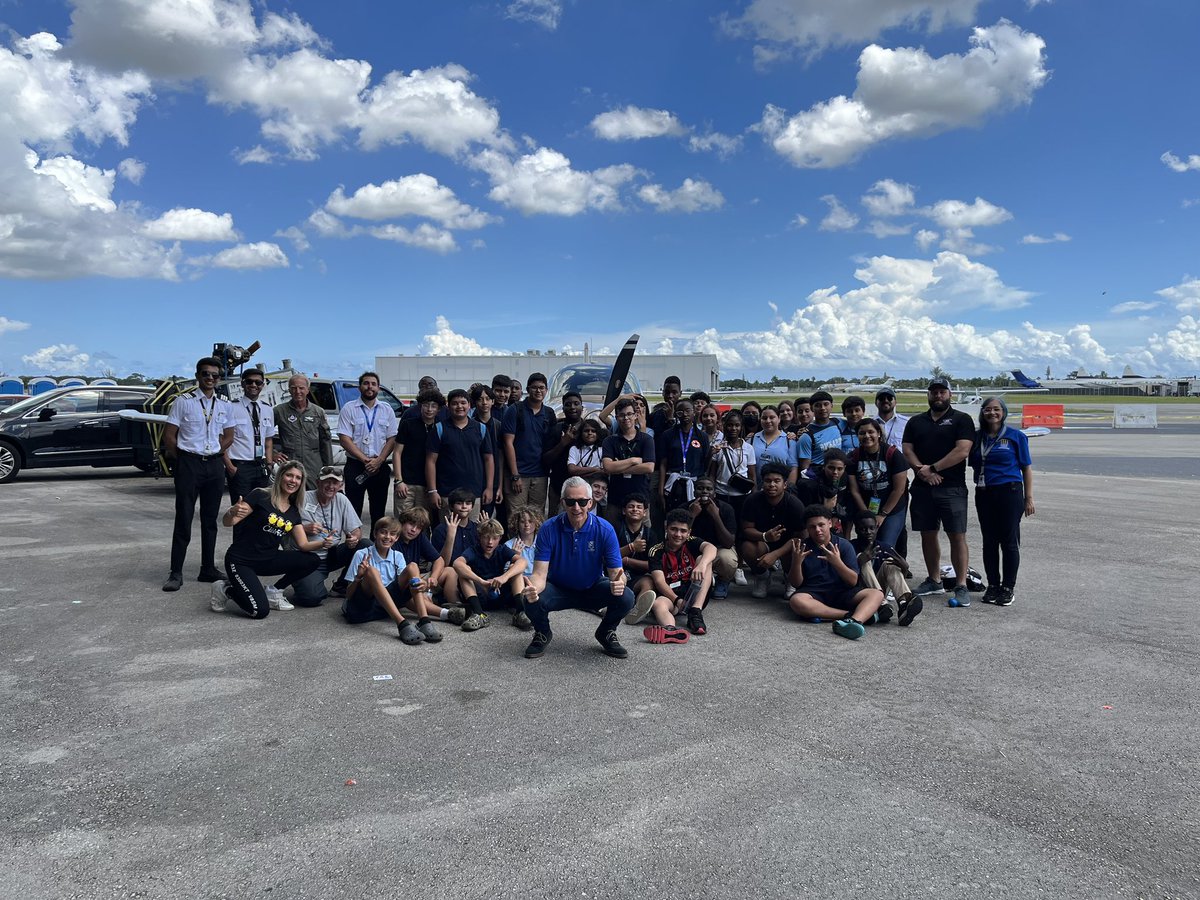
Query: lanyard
pixel 590 460
pixel 370 420
pixel 208 413
pixel 684 440
pixel 254 420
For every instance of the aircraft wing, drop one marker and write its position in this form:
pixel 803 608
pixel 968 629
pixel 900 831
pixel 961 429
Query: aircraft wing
pixel 134 415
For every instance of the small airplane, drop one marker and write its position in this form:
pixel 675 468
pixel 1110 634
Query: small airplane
pixel 1079 379
pixel 865 388
pixel 599 385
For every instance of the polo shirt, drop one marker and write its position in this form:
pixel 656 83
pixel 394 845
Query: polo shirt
pixel 419 550
pixel 780 450
pixel 529 430
pixel 578 559
pixel 621 486
pixel 412 438
pixel 460 455
pixel 466 537
pixel 487 567
pixel 932 439
pixel 687 453
pixel 389 567
pixel 999 460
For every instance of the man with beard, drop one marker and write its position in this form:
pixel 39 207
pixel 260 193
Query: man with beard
pixel 250 454
pixel 936 445
pixel 302 432
pixel 892 422
pixel 367 430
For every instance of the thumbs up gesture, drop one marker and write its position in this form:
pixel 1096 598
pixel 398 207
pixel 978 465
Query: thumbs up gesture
pixel 240 510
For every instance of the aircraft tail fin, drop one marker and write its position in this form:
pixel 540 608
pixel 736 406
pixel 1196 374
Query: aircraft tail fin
pixel 1024 380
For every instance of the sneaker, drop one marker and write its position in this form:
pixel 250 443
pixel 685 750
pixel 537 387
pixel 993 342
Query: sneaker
pixel 174 582
pixel 788 590
pixel 610 645
pixel 276 600
pixel 695 620
pixel 209 575
pixel 429 632
pixel 538 645
pixel 960 597
pixel 410 634
pixel 456 615
pixel 929 586
pixel 882 616
pixel 720 590
pixel 665 634
pixel 848 628
pixel 1006 596
pixel 338 589
pixel 522 621
pixel 991 595
pixel 739 578
pixel 644 601
pixel 475 622
pixel 910 606
pixel 218 598
pixel 777 566
pixel 761 583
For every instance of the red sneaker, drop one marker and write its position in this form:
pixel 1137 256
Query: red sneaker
pixel 665 634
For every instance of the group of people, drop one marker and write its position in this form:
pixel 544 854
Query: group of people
pixel 635 512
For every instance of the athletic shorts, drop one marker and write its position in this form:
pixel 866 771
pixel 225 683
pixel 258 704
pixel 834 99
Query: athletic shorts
pixel 363 607
pixel 838 600
pixel 937 507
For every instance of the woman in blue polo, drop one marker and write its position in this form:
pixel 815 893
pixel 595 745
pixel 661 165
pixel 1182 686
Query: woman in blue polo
pixel 1003 494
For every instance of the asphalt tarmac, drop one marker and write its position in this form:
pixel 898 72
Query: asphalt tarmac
pixel 153 748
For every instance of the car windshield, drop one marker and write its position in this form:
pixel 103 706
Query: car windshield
pixel 19 409
pixel 589 380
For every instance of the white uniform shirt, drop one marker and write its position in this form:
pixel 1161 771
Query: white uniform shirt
pixel 893 430
pixel 243 447
pixel 200 421
pixel 369 428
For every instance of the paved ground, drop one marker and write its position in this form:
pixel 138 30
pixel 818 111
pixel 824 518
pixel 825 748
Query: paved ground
pixel 154 749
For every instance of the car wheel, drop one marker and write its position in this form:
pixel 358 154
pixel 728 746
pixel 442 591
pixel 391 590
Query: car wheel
pixel 10 462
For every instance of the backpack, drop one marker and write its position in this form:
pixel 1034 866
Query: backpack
pixel 482 430
pixel 974 579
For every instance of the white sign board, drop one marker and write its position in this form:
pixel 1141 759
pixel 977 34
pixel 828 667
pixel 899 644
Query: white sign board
pixel 1130 416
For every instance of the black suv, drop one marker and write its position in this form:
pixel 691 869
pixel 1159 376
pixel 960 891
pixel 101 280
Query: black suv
pixel 75 426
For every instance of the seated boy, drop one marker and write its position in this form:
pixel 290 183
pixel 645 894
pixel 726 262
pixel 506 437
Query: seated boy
pixel 599 485
pixel 769 519
pixel 416 547
pixel 884 568
pixel 383 582
pixel 824 572
pixel 457 533
pixel 681 571
pixel 494 571
pixel 636 537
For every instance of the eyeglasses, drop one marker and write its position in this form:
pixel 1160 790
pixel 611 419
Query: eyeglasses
pixel 208 374
pixel 577 501
pixel 257 381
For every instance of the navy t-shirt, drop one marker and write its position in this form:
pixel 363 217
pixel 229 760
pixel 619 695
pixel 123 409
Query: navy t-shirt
pixel 466 537
pixel 419 550
pixel 819 577
pixel 621 486
pixel 487 567
pixel 529 430
pixel 413 436
pixel 460 455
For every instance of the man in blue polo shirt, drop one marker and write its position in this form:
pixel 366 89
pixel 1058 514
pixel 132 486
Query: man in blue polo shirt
pixel 577 565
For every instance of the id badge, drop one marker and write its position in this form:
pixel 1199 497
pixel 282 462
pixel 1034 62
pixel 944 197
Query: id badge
pixel 874 505
pixel 258 452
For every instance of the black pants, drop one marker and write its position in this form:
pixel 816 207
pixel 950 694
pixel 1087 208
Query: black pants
pixel 203 479
pixel 244 569
pixel 377 488
pixel 250 474
pixel 1000 509
pixel 310 590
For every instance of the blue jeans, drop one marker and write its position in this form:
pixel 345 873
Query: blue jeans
pixel 893 525
pixel 598 596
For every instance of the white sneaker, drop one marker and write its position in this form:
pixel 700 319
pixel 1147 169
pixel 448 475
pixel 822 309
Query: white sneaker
pixel 276 600
pixel 761 583
pixel 644 601
pixel 788 590
pixel 739 578
pixel 218 597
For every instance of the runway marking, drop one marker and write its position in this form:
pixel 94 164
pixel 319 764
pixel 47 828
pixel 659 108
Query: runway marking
pixel 387 707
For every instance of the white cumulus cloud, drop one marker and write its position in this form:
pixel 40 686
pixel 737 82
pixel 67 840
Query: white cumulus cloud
pixel 906 93
pixel 424 236
pixel 258 255
pixel 543 182
pixel 635 123
pixel 1175 164
pixel 413 195
pixel 445 341
pixel 57 359
pixel 889 198
pixel 691 196
pixel 724 145
pixel 7 325
pixel 1185 295
pixel 132 170
pixel 838 218
pixel 191 225
pixel 1057 238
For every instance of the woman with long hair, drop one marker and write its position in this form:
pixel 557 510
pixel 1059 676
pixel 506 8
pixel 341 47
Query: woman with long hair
pixel 261 523
pixel 583 459
pixel 878 483
pixel 772 445
pixel 1003 494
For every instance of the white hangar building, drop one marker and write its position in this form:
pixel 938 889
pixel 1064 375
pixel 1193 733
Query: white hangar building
pixel 697 371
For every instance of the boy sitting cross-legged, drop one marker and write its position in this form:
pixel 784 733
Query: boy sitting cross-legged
pixel 681 572
pixel 825 573
pixel 491 574
pixel 383 581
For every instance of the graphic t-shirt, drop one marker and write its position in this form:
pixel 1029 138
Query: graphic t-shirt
pixel 265 528
pixel 677 565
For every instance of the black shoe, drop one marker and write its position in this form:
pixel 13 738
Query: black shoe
pixel 610 644
pixel 992 594
pixel 695 622
pixel 883 615
pixel 174 582
pixel 1005 596
pixel 910 605
pixel 209 575
pixel 338 589
pixel 538 645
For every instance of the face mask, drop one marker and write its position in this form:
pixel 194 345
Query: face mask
pixel 750 423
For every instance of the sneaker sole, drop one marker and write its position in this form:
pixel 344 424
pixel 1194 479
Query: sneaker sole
pixel 661 634
pixel 641 608
pixel 911 611
pixel 848 631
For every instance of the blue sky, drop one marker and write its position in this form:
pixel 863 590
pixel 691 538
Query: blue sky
pixel 802 187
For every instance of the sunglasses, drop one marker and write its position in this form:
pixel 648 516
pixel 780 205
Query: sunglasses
pixel 257 381
pixel 577 501
pixel 208 374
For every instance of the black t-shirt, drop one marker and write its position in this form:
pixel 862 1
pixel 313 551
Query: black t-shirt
pixel 705 529
pixel 265 528
pixel 626 537
pixel 460 455
pixel 412 436
pixel 932 440
pixel 558 467
pixel 621 486
pixel 817 491
pixel 875 476
pixel 676 566
pixel 762 516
